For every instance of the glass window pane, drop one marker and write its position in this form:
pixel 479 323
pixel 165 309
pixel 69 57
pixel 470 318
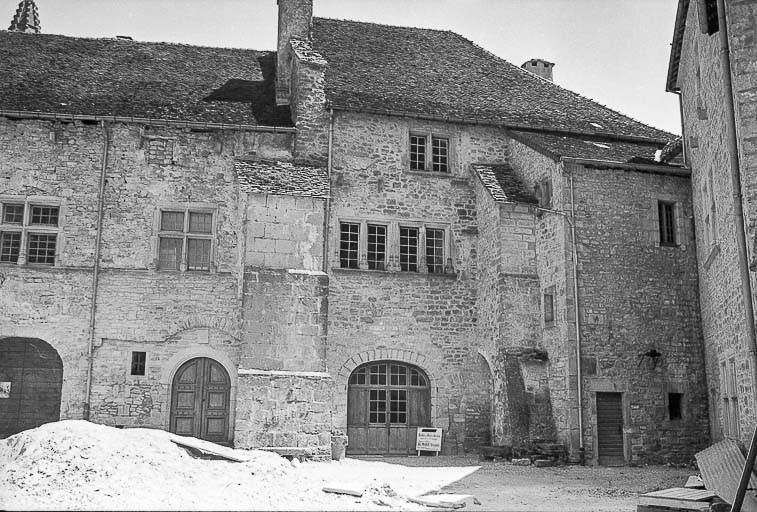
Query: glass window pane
pixel 44 215
pixel 10 246
pixel 397 375
pixel 376 247
pixel 549 309
pixel 170 253
pixel 172 221
pixel 200 222
pixel 348 248
pixel 198 254
pixel 398 406
pixel 435 250
pixel 439 154
pixel 409 249
pixel 41 249
pixel 418 152
pixel 13 213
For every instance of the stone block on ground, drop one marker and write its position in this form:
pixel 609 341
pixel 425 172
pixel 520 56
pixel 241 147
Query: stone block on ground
pixel 522 462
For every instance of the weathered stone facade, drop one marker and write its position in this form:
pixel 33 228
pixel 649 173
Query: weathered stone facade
pixel 698 74
pixel 488 344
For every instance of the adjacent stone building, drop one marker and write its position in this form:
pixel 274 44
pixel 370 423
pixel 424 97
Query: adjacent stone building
pixel 712 70
pixel 259 248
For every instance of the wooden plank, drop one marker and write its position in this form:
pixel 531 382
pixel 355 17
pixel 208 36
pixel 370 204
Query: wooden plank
pixel 454 501
pixel 351 490
pixel 721 465
pixel 682 493
pixel 694 482
pixel 674 504
pixel 204 447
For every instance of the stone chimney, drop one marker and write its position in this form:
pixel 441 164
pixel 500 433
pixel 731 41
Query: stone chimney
pixel 295 20
pixel 539 67
pixel 26 18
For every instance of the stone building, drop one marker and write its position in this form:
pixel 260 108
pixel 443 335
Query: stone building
pixel 712 70
pixel 371 229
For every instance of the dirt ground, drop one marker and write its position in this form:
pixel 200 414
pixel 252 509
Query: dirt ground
pixel 503 486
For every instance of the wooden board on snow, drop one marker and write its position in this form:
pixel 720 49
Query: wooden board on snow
pixel 445 500
pixel 204 447
pixel 352 490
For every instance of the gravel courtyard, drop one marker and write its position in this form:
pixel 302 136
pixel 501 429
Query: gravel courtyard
pixel 503 486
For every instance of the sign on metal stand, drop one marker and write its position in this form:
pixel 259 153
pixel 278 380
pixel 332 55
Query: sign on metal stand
pixel 428 440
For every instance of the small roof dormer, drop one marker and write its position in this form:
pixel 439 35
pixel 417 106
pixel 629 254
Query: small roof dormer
pixel 26 18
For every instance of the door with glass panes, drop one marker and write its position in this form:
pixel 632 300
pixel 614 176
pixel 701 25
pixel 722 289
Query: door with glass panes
pixel 386 403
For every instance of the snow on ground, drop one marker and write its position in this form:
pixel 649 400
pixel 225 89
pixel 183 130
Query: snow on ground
pixel 77 465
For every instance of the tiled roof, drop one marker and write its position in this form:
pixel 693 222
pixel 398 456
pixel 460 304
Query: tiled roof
pixel 439 73
pixel 590 147
pixel 109 77
pixel 282 178
pixel 503 184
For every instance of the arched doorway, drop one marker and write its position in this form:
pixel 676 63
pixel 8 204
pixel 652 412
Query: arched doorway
pixel 386 402
pixel 31 377
pixel 200 400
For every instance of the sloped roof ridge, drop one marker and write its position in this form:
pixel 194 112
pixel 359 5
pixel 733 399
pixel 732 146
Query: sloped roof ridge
pixel 570 91
pixel 385 24
pixel 132 41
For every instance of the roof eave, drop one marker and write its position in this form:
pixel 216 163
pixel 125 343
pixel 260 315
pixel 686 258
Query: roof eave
pixel 670 170
pixel 675 51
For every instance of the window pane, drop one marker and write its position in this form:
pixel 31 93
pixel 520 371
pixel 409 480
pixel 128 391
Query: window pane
pixel 416 379
pixel 439 154
pixel 45 215
pixel 398 406
pixel 348 248
pixel 378 375
pixel 549 308
pixel 170 253
pixel 200 222
pixel 667 223
pixel 41 249
pixel 418 152
pixel 376 247
pixel 172 221
pixel 377 406
pixel 397 375
pixel 358 377
pixel 138 363
pixel 409 249
pixel 10 246
pixel 435 250
pixel 13 213
pixel 198 254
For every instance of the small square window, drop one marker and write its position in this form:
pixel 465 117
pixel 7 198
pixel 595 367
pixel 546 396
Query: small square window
pixel 10 247
pixel 172 221
pixel 429 153
pixel 41 248
pixel 138 360
pixel 13 214
pixel 549 308
pixel 44 215
pixel 348 245
pixel 666 211
pixel 169 257
pixel 675 406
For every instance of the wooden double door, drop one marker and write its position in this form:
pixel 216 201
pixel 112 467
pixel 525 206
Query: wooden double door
pixel 200 401
pixel 386 403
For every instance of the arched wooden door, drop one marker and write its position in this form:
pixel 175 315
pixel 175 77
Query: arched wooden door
pixel 31 377
pixel 386 403
pixel 200 400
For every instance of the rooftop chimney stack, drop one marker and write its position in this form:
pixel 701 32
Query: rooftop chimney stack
pixel 295 20
pixel 26 18
pixel 539 67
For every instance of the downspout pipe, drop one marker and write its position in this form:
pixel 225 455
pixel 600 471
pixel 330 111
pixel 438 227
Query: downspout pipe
pixel 327 209
pixel 738 217
pixel 579 372
pixel 96 271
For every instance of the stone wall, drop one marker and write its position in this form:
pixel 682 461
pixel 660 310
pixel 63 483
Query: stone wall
pixel 704 124
pixel 637 296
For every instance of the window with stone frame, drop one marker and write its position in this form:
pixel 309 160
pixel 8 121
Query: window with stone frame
pixel 393 246
pixel 666 212
pixel 730 399
pixel 185 239
pixel 29 230
pixel 429 153
pixel 548 300
pixel 708 205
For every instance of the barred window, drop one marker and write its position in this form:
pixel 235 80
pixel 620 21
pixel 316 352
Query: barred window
pixel 666 211
pixel 138 363
pixel 28 232
pixel 185 240
pixel 429 153
pixel 348 245
pixel 549 307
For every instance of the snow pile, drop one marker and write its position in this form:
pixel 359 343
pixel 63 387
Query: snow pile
pixel 77 465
